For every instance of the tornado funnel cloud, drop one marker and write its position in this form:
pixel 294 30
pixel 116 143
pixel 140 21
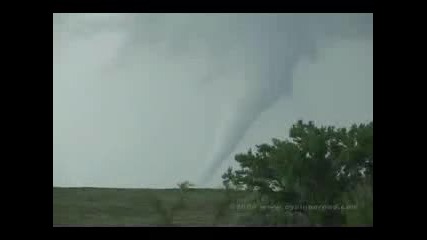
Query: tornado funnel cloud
pixel 133 92
pixel 278 44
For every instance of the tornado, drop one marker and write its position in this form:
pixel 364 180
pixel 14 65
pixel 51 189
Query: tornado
pixel 273 46
pixel 279 43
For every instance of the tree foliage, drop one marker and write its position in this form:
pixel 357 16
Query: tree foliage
pixel 185 186
pixel 316 166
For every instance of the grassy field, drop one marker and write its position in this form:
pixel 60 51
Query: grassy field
pixel 98 206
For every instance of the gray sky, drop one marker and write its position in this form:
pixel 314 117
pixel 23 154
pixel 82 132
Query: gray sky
pixel 148 100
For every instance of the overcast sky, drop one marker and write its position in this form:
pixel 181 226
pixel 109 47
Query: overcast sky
pixel 148 100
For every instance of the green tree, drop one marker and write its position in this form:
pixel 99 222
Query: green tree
pixel 315 166
pixel 185 186
pixel 167 213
